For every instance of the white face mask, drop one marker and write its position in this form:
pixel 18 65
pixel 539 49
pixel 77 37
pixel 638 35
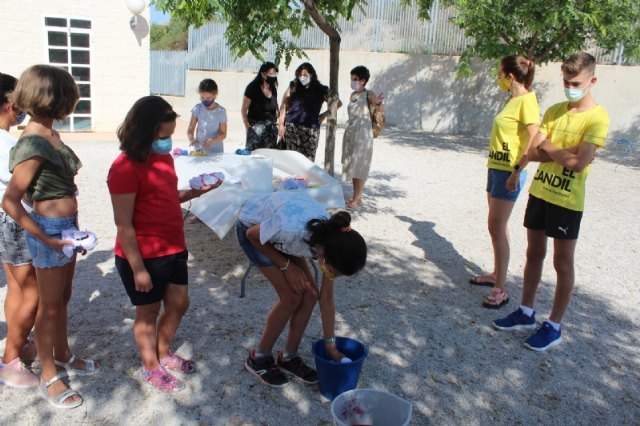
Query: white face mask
pixel 355 84
pixel 304 80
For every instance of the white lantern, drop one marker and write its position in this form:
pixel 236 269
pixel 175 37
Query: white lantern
pixel 136 6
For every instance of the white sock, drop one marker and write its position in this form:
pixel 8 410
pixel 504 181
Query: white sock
pixel 555 325
pixel 527 311
pixel 258 354
pixel 288 355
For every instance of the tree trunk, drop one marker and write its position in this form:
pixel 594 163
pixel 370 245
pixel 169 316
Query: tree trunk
pixel 332 102
pixel 334 66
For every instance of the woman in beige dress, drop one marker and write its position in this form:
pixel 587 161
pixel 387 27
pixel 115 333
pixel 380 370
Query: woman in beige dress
pixel 357 144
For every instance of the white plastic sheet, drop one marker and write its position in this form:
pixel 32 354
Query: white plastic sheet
pixel 220 208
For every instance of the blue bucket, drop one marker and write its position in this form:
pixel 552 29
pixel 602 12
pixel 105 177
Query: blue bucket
pixel 334 377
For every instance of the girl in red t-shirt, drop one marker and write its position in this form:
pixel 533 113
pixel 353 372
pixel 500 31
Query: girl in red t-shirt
pixel 151 255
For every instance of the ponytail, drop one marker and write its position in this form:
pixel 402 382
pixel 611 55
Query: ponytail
pixel 522 69
pixel 344 248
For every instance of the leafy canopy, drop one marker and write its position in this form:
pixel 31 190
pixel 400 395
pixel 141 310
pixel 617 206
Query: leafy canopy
pixel 171 36
pixel 253 23
pixel 543 30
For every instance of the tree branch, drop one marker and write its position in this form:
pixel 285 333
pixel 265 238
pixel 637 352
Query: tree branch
pixel 507 41
pixel 532 44
pixel 546 52
pixel 311 8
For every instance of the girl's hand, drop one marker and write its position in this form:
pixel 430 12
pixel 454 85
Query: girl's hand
pixel 296 278
pixel 205 189
pixel 58 244
pixel 193 142
pixel 142 281
pixel 333 352
pixel 512 182
pixel 280 131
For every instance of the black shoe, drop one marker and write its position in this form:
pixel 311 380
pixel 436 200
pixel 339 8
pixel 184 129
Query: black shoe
pixel 298 369
pixel 266 370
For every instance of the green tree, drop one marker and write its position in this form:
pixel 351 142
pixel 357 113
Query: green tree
pixel 253 23
pixel 543 30
pixel 171 36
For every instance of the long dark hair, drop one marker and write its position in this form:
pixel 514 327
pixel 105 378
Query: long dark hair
pixel 265 68
pixel 344 248
pixel 7 85
pixel 141 125
pixel 295 87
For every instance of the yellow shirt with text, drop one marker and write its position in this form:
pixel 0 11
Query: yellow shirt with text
pixel 553 182
pixel 509 135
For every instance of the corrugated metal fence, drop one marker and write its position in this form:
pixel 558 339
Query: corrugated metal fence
pixel 380 26
pixel 168 69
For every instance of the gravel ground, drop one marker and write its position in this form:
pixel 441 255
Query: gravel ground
pixel 430 341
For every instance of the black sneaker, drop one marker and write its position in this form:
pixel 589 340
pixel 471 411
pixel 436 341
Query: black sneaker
pixel 298 369
pixel 265 370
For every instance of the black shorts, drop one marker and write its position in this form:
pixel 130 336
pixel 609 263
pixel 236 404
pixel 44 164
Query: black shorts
pixel 558 222
pixel 164 270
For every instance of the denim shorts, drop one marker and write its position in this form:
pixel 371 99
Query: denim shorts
pixel 164 270
pixel 43 255
pixel 255 256
pixel 497 184
pixel 13 245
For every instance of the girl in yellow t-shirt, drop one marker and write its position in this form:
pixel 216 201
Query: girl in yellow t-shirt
pixel 512 131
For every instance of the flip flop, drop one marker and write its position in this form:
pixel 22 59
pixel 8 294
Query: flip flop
pixel 496 299
pixel 479 280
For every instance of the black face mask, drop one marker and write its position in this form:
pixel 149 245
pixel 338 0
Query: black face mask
pixel 272 81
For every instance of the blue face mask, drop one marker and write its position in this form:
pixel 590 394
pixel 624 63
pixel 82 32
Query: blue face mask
pixel 574 95
pixel 20 117
pixel 161 146
pixel 207 102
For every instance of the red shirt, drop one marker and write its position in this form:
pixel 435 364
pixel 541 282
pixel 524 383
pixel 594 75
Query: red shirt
pixel 157 216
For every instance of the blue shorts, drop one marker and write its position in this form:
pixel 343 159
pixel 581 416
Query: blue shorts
pixel 13 245
pixel 43 255
pixel 255 256
pixel 497 184
pixel 163 270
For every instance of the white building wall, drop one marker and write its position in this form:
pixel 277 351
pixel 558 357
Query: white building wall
pixel 119 54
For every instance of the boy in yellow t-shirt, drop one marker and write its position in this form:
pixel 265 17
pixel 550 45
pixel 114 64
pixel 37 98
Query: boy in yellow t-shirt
pixel 569 136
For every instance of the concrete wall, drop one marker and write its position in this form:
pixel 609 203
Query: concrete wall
pixel 119 54
pixel 422 92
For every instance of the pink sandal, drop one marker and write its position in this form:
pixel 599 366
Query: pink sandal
pixel 496 299
pixel 178 364
pixel 160 379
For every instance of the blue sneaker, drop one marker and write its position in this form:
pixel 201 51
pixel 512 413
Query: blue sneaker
pixel 516 320
pixel 544 338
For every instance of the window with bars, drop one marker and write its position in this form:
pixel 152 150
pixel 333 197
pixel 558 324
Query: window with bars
pixel 69 47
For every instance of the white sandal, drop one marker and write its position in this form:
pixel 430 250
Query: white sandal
pixel 90 367
pixel 58 401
